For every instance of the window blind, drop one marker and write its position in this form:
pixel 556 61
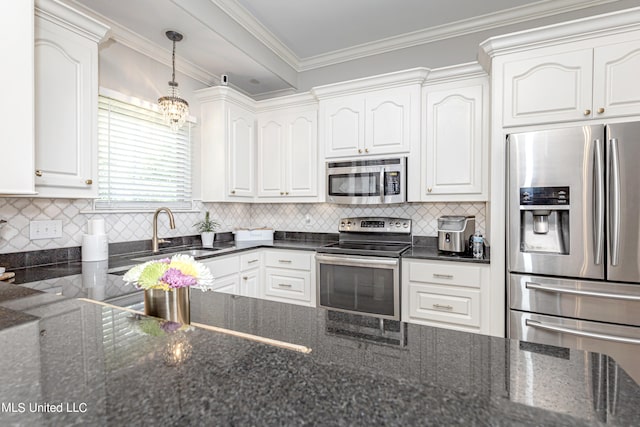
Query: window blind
pixel 141 162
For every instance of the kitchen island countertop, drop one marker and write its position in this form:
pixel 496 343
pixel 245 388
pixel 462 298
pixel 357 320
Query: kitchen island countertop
pixel 115 367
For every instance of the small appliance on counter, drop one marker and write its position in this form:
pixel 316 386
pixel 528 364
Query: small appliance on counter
pixel 454 233
pixel 253 234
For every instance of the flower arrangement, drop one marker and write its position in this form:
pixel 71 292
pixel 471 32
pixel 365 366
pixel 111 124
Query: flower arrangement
pixel 179 271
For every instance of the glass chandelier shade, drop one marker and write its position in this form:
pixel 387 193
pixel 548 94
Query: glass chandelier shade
pixel 174 109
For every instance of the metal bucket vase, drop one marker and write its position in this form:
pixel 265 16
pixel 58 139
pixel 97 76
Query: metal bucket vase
pixel 171 305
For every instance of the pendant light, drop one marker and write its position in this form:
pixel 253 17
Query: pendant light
pixel 174 108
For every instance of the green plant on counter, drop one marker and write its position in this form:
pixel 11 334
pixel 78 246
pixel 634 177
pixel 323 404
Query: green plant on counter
pixel 207 225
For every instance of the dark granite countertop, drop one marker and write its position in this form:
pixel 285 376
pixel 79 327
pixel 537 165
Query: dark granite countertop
pixel 426 247
pixel 107 366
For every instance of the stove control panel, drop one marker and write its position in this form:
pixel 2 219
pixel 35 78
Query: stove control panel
pixel 375 225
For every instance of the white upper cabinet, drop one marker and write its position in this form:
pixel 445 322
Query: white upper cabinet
pixel 66 101
pixel 227 145
pixel 377 122
pixel 16 108
pixel 241 152
pixel 616 68
pixel 572 85
pixel 374 116
pixel 455 130
pixel 288 154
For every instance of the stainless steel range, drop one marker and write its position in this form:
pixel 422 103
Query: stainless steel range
pixel 361 273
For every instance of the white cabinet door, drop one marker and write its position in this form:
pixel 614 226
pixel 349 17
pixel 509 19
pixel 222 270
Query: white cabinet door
pixel 227 284
pixel 342 132
pixel 16 108
pixel 546 89
pixel 271 156
pixel 288 154
pixel 301 178
pixel 250 283
pixel 241 152
pixel 455 132
pixel 66 88
pixel 616 91
pixel 388 121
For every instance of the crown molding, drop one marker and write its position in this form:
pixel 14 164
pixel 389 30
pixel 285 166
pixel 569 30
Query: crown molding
pixel 78 22
pixel 455 73
pixel 246 20
pixel 140 44
pixel 365 84
pixel 225 93
pixel 565 32
pixel 468 26
pixel 450 30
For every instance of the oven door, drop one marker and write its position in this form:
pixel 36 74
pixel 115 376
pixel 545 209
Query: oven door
pixel 363 285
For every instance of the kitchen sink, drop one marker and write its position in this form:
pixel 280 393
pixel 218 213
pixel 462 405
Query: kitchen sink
pixel 193 252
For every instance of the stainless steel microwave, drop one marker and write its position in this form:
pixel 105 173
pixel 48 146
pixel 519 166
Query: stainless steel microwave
pixel 368 182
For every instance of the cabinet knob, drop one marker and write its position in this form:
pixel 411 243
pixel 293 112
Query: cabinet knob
pixel 89 182
pixel 600 110
pixel 38 173
pixel 245 278
pixel 282 193
pixel 429 189
pixel 359 150
pixel 286 193
pixel 587 112
pixel 233 191
pixel 366 150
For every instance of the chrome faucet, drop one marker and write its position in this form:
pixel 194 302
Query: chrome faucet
pixel 155 242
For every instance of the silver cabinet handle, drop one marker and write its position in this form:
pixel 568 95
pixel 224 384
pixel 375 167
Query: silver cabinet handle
pixel 598 214
pixel 443 307
pixel 251 261
pixel 442 276
pixel 539 287
pixel 285 261
pixel 561 329
pixel 284 285
pixel 614 202
pixel 382 185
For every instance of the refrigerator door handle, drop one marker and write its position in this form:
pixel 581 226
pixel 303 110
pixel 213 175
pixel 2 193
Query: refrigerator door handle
pixel 598 205
pixel 586 334
pixel 538 287
pixel 614 203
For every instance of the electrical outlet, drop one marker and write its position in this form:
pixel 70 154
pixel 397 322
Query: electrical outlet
pixel 307 219
pixel 51 229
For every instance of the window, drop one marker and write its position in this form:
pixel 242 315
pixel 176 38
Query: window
pixel 141 162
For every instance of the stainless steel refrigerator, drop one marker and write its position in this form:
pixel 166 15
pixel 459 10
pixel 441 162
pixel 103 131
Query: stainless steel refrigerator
pixel 573 240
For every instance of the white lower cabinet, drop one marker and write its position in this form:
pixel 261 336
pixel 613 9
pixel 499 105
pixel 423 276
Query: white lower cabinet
pixel 272 274
pixel 289 276
pixel 251 274
pixel 225 273
pixel 446 294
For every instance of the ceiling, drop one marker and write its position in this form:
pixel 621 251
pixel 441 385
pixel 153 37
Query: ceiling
pixel 264 45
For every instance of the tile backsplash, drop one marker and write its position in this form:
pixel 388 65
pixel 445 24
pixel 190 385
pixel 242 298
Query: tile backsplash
pixel 123 227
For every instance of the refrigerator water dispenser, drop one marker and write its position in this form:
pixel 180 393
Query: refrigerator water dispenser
pixel 544 219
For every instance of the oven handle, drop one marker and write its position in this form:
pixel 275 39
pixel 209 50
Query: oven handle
pixel 340 260
pixel 607 337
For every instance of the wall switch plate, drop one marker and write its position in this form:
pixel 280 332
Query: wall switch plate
pixel 51 229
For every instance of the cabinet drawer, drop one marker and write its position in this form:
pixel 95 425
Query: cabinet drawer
pixel 444 304
pixel 223 266
pixel 287 284
pixel 250 260
pixel 227 284
pixel 288 259
pixel 445 273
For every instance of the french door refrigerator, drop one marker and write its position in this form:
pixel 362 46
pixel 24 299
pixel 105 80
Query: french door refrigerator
pixel 573 240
